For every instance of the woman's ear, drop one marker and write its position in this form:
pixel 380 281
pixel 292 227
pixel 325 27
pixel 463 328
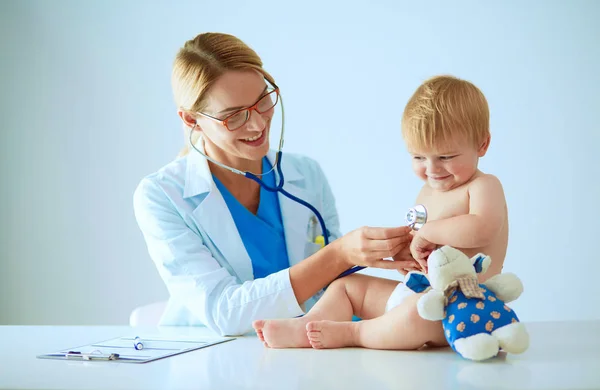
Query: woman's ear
pixel 483 147
pixel 188 119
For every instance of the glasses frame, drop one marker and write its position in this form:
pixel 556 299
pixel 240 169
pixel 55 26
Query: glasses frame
pixel 251 108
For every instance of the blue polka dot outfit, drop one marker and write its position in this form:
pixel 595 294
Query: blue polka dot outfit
pixel 470 316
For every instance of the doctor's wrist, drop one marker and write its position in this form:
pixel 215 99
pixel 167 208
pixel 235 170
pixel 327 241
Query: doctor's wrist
pixel 339 256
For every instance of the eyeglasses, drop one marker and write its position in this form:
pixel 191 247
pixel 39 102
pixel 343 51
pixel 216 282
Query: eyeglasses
pixel 240 117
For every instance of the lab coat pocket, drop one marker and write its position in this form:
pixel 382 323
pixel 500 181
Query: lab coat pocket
pixel 310 249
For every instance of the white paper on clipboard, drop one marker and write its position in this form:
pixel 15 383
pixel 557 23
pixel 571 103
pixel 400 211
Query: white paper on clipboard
pixel 121 349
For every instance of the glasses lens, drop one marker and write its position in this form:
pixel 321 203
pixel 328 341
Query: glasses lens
pixel 267 102
pixel 237 120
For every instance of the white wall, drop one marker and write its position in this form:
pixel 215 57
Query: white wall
pixel 87 112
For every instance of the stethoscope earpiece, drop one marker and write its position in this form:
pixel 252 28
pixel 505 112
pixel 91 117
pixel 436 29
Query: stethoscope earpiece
pixel 416 217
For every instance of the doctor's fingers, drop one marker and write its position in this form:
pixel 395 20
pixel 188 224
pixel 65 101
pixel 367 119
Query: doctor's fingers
pixel 381 249
pixel 397 265
pixel 379 233
pixel 372 257
pixel 393 245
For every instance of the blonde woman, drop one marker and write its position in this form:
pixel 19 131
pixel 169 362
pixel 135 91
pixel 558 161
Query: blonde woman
pixel 229 251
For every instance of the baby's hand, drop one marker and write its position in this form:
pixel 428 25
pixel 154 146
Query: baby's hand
pixel 420 249
pixel 417 268
pixel 405 256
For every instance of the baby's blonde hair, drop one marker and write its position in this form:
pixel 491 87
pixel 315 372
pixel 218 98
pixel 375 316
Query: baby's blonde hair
pixel 200 62
pixel 442 109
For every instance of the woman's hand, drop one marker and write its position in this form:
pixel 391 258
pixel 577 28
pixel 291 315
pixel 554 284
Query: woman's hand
pixel 368 246
pixel 420 249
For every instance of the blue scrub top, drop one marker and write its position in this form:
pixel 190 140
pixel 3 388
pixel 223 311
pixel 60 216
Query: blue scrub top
pixel 262 234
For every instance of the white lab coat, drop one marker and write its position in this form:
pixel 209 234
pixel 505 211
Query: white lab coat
pixel 196 247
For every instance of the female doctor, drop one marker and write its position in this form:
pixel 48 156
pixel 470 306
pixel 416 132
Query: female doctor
pixel 229 251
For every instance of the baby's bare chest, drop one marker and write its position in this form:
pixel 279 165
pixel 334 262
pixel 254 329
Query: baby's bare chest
pixel 444 205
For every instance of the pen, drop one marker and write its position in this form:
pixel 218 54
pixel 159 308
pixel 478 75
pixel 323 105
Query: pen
pixel 91 356
pixel 320 240
pixel 312 229
pixel 137 343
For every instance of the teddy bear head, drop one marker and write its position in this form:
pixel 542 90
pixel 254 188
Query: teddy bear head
pixel 446 264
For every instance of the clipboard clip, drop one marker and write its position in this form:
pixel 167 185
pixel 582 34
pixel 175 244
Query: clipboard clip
pixel 94 355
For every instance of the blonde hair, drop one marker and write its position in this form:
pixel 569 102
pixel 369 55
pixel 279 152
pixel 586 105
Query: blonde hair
pixel 200 62
pixel 442 108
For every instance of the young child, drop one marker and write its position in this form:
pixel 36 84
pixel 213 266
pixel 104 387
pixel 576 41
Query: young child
pixel 446 129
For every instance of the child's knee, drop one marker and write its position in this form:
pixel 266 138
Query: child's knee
pixel 353 281
pixel 341 283
pixel 336 284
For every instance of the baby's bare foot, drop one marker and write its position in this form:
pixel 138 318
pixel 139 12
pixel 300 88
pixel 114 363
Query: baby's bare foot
pixel 330 334
pixel 258 326
pixel 287 333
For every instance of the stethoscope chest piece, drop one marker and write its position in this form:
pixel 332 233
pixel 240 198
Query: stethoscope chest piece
pixel 416 217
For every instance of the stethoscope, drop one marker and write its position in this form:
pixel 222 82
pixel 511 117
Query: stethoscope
pixel 417 213
pixel 415 219
pixel 279 185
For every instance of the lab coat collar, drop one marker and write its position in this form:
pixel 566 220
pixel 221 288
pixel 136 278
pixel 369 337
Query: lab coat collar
pixel 198 178
pixel 220 226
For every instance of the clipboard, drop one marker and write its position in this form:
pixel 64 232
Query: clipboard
pixel 122 350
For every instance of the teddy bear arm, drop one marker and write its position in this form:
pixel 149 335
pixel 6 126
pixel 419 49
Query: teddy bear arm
pixel 506 286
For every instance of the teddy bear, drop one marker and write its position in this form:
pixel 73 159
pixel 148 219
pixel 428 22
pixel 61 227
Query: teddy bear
pixel 476 320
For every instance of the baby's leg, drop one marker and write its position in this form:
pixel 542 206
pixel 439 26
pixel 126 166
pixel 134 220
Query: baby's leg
pixel 401 329
pixel 361 295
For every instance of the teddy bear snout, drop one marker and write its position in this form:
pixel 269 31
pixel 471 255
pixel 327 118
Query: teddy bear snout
pixel 441 257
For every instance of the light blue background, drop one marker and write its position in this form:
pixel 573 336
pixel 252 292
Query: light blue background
pixel 87 111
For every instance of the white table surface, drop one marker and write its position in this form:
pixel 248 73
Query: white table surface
pixel 562 355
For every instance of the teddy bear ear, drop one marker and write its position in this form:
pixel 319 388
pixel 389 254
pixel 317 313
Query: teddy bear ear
pixel 417 281
pixel 481 262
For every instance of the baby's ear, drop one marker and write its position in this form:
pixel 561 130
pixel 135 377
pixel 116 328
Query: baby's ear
pixel 481 262
pixel 417 281
pixel 483 147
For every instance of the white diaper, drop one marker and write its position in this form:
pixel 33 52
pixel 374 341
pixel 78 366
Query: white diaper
pixel 398 295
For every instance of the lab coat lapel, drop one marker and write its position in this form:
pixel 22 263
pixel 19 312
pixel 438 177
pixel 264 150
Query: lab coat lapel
pixel 214 218
pixel 295 216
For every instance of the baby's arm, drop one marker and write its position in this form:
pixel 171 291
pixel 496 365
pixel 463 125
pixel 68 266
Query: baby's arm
pixel 476 229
